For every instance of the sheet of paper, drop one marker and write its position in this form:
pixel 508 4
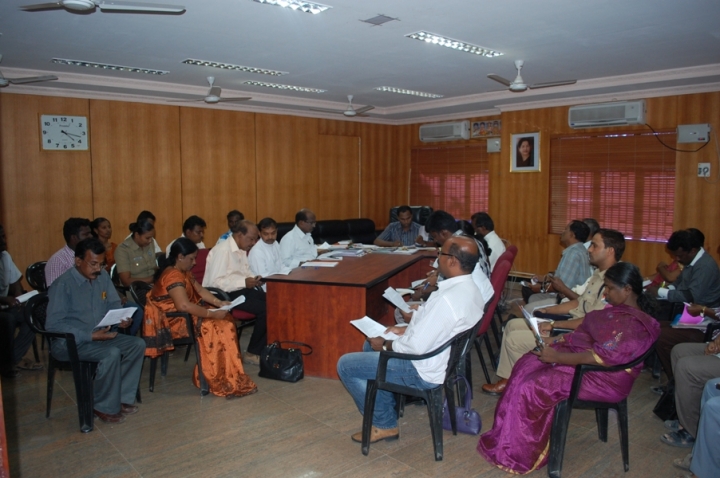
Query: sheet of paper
pixel 328 256
pixel 324 245
pixel 26 296
pixel 231 305
pixel 417 283
pixel 345 242
pixel 320 264
pixel 371 329
pixel 404 291
pixel 116 316
pixel 396 299
pixel 532 323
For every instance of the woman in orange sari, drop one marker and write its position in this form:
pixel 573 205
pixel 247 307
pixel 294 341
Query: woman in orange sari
pixel 175 290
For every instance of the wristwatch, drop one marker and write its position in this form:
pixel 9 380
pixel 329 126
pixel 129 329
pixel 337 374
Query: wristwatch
pixel 385 346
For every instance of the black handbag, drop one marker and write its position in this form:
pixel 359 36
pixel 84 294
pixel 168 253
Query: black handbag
pixel 665 407
pixel 278 363
pixel 467 418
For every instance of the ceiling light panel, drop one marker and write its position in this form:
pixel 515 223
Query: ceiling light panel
pixel 307 7
pixel 458 45
pixel 230 66
pixel 278 86
pixel 403 91
pixel 105 66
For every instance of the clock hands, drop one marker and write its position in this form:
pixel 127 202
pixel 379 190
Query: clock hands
pixel 70 134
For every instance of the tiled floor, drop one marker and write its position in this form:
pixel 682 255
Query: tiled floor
pixel 285 430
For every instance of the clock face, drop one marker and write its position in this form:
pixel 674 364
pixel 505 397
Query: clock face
pixel 64 133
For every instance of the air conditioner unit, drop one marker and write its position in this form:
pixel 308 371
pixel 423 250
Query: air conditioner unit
pixel 607 114
pixel 445 131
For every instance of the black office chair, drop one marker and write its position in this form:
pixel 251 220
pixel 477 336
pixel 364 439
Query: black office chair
pixel 420 214
pixel 139 290
pixel 83 371
pixel 35 276
pixel 561 420
pixel 459 346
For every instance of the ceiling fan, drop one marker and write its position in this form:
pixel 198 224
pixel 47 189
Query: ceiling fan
pixel 213 95
pixel 518 85
pixel 20 81
pixel 350 111
pixel 114 6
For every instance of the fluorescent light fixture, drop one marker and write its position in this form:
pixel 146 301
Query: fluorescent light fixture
pixel 458 45
pixel 403 91
pixel 307 7
pixel 230 66
pixel 284 87
pixel 105 66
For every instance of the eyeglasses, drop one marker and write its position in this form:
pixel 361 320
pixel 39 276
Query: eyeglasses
pixel 446 254
pixel 310 222
pixel 95 264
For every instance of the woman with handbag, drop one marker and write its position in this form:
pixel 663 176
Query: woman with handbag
pixel 175 290
pixel 520 436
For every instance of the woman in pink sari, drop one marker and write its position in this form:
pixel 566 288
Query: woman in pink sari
pixel 520 437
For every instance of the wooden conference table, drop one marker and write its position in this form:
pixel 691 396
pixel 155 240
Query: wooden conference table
pixel 316 305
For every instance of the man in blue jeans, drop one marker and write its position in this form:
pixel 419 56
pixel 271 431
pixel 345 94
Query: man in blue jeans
pixel 456 307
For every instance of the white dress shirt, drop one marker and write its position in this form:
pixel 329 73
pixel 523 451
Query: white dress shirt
pixel 227 267
pixel 200 245
pixel 9 273
pixel 265 259
pixel 456 306
pixel 496 245
pixel 296 247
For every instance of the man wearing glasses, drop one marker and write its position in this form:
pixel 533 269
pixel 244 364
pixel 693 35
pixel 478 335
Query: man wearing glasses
pixel 297 246
pixel 78 300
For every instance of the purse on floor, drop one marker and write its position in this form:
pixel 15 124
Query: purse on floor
pixel 284 364
pixel 467 418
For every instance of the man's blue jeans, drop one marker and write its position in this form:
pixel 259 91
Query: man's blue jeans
pixel 357 368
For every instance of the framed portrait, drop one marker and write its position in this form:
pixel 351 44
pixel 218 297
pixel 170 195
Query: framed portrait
pixel 525 155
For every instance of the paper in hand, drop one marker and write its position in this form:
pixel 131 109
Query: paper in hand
pixel 115 316
pixel 532 322
pixel 396 299
pixel 239 300
pixel 370 328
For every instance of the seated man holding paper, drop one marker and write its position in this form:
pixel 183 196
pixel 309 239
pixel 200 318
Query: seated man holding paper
pixel 297 246
pixel 228 269
pixel 78 301
pixel 606 249
pixel 455 307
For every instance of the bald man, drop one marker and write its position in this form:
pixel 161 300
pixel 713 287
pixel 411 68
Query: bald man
pixel 297 246
pixel 456 307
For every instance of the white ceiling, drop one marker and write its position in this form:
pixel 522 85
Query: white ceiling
pixel 615 49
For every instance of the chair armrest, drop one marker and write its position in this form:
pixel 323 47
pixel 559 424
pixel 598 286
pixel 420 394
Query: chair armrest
pixel 386 355
pixel 711 328
pixel 188 321
pixel 219 292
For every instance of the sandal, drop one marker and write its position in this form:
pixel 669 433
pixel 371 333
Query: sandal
pixel 28 365
pixel 672 425
pixel 680 439
pixel 683 464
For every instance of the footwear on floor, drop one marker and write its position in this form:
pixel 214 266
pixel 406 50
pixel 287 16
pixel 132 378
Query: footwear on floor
pixel 672 425
pixel 377 434
pixel 680 439
pixel 496 388
pixel 251 359
pixel 28 365
pixel 683 464
pixel 660 389
pixel 127 409
pixel 110 417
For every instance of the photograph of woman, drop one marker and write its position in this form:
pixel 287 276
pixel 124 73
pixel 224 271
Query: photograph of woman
pixel 524 155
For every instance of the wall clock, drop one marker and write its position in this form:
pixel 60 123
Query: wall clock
pixel 64 133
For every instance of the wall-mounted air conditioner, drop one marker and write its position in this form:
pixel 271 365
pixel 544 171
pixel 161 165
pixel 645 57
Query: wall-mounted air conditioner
pixel 445 131
pixel 607 114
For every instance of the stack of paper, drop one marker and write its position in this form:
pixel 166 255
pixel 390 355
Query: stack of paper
pixel 319 264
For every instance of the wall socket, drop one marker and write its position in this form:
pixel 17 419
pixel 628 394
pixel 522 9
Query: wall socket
pixel 703 170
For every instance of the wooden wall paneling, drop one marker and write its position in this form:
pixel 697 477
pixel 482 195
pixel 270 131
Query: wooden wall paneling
pixel 286 165
pixel 40 190
pixel 339 177
pixel 698 200
pixel 136 165
pixel 218 167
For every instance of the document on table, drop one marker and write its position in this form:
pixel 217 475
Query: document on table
pixel 319 264
pixel 370 328
pixel 323 246
pixel 115 316
pixel 328 256
pixel 396 299
pixel 239 300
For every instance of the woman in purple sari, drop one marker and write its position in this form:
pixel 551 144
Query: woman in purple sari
pixel 520 437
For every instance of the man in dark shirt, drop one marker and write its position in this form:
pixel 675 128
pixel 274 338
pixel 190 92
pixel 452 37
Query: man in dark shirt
pixel 79 299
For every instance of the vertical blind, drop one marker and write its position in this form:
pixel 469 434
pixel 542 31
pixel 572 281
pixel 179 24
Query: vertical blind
pixel 624 180
pixel 454 179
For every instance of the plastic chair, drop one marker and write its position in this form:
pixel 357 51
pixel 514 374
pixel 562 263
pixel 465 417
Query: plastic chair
pixel 83 371
pixel 509 256
pixel 139 291
pixel 35 276
pixel 558 433
pixel 459 346
pixel 497 279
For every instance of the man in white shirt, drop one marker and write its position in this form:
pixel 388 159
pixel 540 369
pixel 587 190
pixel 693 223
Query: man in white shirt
pixel 265 258
pixel 12 316
pixel 484 226
pixel 193 229
pixel 456 307
pixel 228 269
pixel 297 246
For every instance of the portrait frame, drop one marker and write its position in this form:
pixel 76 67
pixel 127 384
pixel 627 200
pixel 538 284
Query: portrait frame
pixel 532 163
